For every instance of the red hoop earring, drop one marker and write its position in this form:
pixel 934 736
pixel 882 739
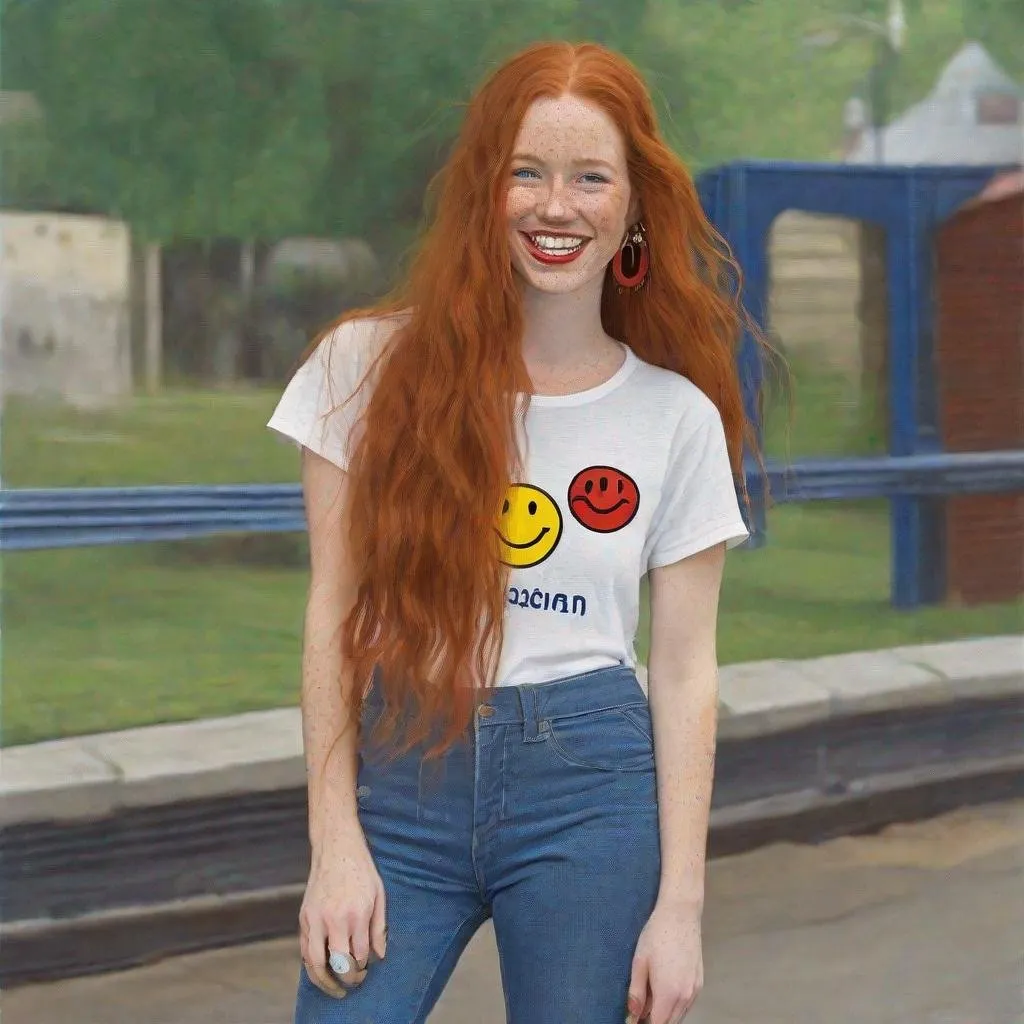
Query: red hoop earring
pixel 633 260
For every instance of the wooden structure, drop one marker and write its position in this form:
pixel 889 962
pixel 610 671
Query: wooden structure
pixel 980 368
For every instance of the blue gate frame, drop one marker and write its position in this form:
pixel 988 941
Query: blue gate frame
pixel 743 200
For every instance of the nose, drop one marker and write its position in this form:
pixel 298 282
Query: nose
pixel 553 205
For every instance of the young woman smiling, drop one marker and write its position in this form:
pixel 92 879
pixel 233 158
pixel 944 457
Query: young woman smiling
pixel 547 409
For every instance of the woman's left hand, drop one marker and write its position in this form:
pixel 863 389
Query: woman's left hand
pixel 668 966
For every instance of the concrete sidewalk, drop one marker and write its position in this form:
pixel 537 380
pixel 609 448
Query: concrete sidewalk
pixel 123 847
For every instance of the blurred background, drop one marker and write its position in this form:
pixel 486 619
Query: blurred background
pixel 191 188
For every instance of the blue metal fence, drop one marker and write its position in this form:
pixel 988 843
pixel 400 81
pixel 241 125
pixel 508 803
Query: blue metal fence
pixel 33 519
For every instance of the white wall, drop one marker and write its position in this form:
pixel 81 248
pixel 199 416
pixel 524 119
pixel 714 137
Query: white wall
pixel 65 307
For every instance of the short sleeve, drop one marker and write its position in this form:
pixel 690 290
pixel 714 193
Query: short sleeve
pixel 699 506
pixel 315 411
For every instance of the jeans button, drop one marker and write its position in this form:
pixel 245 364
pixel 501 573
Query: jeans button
pixel 485 711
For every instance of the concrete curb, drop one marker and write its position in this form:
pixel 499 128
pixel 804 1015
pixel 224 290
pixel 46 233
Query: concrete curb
pixel 89 777
pixel 48 949
pixel 123 848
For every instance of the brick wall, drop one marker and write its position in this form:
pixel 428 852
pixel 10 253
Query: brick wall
pixel 980 365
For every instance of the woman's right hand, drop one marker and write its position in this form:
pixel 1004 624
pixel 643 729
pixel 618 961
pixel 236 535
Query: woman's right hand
pixel 343 911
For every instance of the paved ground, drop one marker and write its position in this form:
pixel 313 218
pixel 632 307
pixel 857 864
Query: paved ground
pixel 920 925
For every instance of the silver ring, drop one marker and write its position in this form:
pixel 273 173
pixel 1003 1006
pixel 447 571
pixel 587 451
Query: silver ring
pixel 339 963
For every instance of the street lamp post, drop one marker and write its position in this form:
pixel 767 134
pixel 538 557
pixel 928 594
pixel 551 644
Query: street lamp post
pixel 890 37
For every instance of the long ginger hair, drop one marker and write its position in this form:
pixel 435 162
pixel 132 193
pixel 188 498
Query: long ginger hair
pixel 438 446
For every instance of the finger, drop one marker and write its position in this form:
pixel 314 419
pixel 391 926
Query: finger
pixel 359 941
pixel 680 1011
pixel 379 926
pixel 663 1011
pixel 324 980
pixel 353 978
pixel 637 999
pixel 322 976
pixel 355 975
pixel 675 1014
pixel 311 936
pixel 686 1005
pixel 338 942
pixel 314 958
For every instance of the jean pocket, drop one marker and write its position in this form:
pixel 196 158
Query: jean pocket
pixel 618 739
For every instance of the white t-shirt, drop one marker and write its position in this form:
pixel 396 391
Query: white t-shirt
pixel 625 477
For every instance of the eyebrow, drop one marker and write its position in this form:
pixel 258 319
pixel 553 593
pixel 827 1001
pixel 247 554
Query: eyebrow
pixel 588 161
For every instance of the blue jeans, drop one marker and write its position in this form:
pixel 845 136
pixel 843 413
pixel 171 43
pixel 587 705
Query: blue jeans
pixel 544 819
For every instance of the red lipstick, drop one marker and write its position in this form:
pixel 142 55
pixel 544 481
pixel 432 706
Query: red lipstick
pixel 549 258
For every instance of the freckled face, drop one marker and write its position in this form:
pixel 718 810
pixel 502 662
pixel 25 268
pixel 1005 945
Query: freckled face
pixel 569 201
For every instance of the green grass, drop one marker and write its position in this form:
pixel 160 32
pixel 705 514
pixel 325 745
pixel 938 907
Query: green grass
pixel 107 638
pixel 179 437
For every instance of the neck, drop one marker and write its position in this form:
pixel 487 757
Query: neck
pixel 561 330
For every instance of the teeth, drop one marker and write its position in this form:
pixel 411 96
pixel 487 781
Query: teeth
pixel 550 243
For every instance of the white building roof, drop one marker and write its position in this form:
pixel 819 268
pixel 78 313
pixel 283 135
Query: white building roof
pixel 943 128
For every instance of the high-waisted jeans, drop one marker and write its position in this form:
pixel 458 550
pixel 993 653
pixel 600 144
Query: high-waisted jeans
pixel 544 819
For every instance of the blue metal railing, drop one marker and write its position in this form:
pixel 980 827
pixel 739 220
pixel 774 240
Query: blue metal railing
pixel 36 519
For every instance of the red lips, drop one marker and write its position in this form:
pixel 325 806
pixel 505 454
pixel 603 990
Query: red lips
pixel 545 257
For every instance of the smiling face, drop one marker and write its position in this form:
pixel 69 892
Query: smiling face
pixel 530 526
pixel 569 201
pixel 603 499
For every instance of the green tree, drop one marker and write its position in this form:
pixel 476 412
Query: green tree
pixel 999 25
pixel 178 116
pixel 25 37
pixel 419 63
pixel 209 117
pixel 394 77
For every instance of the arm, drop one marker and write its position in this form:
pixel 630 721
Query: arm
pixel 682 680
pixel 700 516
pixel 327 685
pixel 344 908
pixel 683 692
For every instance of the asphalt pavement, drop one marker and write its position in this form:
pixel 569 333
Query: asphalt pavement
pixel 921 924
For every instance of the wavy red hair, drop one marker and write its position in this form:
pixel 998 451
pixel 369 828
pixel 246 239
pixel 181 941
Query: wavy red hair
pixel 441 420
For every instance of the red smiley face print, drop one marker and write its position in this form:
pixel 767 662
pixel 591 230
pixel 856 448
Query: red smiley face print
pixel 603 499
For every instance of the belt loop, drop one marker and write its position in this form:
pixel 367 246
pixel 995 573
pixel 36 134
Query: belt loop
pixel 535 730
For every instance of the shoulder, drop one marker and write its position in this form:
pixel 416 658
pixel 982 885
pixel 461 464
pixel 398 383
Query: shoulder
pixel 681 404
pixel 365 336
pixel 352 348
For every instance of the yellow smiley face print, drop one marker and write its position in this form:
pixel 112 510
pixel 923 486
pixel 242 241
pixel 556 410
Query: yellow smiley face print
pixel 529 527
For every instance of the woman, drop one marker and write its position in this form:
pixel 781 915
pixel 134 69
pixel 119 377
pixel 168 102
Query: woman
pixel 547 409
